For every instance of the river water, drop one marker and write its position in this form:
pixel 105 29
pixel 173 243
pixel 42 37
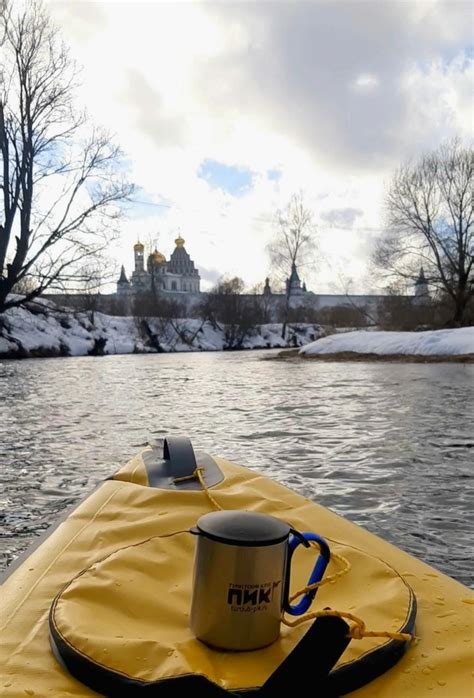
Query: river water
pixel 390 446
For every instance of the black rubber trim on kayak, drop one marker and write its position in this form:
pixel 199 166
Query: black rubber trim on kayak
pixel 353 675
pixel 315 655
pixel 173 458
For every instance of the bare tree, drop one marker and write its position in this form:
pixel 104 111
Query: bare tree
pixel 430 207
pixel 264 303
pixel 292 245
pixel 94 275
pixel 60 180
pixel 237 314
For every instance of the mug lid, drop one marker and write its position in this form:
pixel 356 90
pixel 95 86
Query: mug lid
pixel 245 528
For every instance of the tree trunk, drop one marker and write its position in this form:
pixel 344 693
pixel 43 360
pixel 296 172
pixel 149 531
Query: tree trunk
pixel 460 307
pixel 3 294
pixel 285 316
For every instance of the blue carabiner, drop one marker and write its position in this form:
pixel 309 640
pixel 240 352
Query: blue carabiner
pixel 316 575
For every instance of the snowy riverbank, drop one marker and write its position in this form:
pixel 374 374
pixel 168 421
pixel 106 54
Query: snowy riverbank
pixel 432 345
pixel 47 330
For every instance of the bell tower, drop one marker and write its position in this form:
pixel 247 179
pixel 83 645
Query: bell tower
pixel 139 251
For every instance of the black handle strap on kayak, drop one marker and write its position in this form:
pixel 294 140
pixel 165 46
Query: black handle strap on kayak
pixel 313 657
pixel 179 451
pixel 171 463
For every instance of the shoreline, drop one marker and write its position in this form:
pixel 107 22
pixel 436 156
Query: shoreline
pixel 51 354
pixel 354 356
pixel 44 330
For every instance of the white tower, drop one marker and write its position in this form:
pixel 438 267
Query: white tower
pixel 139 251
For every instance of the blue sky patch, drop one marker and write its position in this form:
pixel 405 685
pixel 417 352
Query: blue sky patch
pixel 273 175
pixel 145 205
pixel 234 180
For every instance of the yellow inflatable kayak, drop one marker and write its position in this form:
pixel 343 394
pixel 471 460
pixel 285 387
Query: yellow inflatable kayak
pixel 103 605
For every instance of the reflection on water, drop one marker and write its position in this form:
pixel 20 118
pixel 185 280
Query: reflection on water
pixel 389 446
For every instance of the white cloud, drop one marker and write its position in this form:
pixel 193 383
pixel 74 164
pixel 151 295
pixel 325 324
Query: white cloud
pixel 264 86
pixel 365 82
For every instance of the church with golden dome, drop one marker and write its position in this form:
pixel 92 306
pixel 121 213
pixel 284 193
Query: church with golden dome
pixel 178 274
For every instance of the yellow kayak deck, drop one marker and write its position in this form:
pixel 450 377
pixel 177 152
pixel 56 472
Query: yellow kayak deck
pixel 126 511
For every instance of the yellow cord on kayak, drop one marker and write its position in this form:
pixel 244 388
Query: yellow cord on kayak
pixel 327 579
pixel 356 631
pixel 198 474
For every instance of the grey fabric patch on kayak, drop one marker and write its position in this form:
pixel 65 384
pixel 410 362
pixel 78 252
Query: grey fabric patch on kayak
pixel 173 458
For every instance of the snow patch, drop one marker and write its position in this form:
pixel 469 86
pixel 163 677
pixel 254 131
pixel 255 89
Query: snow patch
pixel 43 329
pixel 431 343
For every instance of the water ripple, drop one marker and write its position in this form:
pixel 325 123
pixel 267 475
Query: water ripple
pixel 386 445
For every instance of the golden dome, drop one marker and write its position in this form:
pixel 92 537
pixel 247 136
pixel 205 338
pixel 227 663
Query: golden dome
pixel 157 257
pixel 138 246
pixel 179 242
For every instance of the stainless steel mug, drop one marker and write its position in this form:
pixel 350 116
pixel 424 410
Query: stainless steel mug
pixel 242 578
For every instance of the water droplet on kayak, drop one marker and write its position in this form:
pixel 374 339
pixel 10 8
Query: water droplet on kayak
pixel 441 682
pixel 29 692
pixel 439 647
pixel 440 598
pixel 468 601
pixel 6 685
pixel 426 671
pixel 170 653
pixel 119 636
pixel 425 655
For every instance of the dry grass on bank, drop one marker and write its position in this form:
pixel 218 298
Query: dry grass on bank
pixel 292 354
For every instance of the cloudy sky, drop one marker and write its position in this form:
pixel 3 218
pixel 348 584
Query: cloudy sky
pixel 224 109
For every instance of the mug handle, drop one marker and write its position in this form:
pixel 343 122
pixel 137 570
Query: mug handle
pixel 316 575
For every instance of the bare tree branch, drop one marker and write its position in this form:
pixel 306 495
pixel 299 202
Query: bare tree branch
pixel 292 245
pixel 430 215
pixel 61 182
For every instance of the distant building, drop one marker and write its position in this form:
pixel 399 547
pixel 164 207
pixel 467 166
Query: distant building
pixel 299 296
pixel 176 275
pixel 293 284
pixel 178 278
